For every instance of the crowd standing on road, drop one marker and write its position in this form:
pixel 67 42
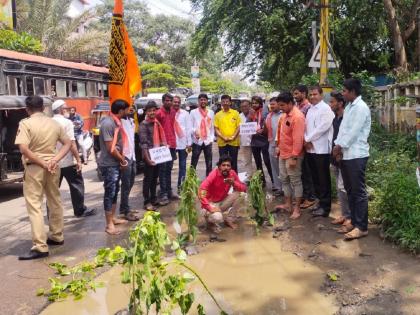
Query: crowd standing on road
pixel 300 140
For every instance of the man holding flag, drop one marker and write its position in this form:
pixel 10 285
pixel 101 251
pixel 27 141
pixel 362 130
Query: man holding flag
pixel 124 84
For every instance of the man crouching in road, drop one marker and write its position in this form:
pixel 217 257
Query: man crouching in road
pixel 217 203
pixel 37 137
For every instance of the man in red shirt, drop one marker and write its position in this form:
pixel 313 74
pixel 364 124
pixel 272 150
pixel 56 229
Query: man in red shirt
pixel 217 203
pixel 166 117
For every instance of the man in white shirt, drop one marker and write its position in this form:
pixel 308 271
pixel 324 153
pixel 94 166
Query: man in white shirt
pixel 246 149
pixel 128 174
pixel 318 145
pixel 202 121
pixel 71 170
pixel 183 138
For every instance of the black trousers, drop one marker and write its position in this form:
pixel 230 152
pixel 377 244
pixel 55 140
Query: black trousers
pixel 353 172
pixel 151 174
pixel 257 152
pixel 307 183
pixel 231 151
pixel 320 171
pixel 77 188
pixel 208 156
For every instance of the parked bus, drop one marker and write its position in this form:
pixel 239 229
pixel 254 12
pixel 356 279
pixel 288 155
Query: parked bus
pixel 81 85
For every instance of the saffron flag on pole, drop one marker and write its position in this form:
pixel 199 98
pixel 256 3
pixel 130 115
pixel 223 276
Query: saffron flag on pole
pixel 124 72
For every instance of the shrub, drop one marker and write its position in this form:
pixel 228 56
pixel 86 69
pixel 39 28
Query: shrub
pixel 396 198
pixel 22 42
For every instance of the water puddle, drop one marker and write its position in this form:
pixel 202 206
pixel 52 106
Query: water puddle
pixel 248 274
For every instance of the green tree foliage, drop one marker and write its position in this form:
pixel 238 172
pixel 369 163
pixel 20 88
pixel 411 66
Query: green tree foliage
pixel 272 39
pixel 22 42
pixel 47 21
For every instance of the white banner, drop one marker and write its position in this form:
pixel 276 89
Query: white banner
pixel 160 155
pixel 249 128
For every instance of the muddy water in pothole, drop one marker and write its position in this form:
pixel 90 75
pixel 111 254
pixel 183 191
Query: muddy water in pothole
pixel 248 274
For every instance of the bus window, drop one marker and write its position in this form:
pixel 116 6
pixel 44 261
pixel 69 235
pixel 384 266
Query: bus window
pixel 74 89
pixel 14 85
pixel 105 89
pixel 60 88
pixel 39 86
pixel 29 86
pixel 91 89
pixel 81 89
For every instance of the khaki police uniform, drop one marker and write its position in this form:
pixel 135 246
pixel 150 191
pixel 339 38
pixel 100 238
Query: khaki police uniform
pixel 41 134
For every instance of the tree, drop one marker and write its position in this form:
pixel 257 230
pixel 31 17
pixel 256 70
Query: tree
pixel 271 39
pixel 19 42
pixel 47 21
pixel 407 10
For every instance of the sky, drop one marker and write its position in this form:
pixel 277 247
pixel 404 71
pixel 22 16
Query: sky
pixel 169 7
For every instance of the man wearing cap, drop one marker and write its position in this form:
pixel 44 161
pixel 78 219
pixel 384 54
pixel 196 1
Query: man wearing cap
pixel 70 169
pixel 37 138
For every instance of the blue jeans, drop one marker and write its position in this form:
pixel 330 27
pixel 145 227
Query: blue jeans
pixel 127 182
pixel 182 158
pixel 165 170
pixel 111 175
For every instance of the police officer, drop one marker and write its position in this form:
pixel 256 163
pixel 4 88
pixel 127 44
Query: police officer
pixel 37 137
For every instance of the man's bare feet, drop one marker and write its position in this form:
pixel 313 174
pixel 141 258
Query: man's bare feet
pixel 117 221
pixel 296 214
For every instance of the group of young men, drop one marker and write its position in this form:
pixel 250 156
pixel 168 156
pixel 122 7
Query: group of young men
pixel 298 140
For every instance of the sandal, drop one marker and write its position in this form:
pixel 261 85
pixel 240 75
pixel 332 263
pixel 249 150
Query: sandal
pixel 282 207
pixel 132 216
pixel 345 229
pixel 355 234
pixel 338 221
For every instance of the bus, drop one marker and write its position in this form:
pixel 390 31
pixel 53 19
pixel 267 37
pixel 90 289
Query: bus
pixel 81 85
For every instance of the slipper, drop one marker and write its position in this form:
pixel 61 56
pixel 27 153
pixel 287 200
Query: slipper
pixel 132 216
pixel 307 204
pixel 345 229
pixel 119 221
pixel 355 234
pixel 338 221
pixel 112 232
pixel 282 207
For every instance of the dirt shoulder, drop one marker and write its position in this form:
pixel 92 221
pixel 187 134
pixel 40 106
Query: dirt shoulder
pixel 373 276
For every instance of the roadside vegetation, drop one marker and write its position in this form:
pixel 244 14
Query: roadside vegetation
pixel 394 193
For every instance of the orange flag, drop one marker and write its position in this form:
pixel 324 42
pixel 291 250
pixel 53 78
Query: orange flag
pixel 124 72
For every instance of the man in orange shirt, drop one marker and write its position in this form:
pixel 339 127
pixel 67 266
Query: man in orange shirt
pixel 290 133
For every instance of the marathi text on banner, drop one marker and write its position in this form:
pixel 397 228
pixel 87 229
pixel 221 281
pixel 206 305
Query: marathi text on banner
pixel 249 128
pixel 160 155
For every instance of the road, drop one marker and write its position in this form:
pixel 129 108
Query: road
pixel 83 236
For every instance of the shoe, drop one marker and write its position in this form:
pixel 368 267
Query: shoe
pixel 320 213
pixel 52 242
pixel 164 202
pixel 87 213
pixel 33 254
pixel 307 204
